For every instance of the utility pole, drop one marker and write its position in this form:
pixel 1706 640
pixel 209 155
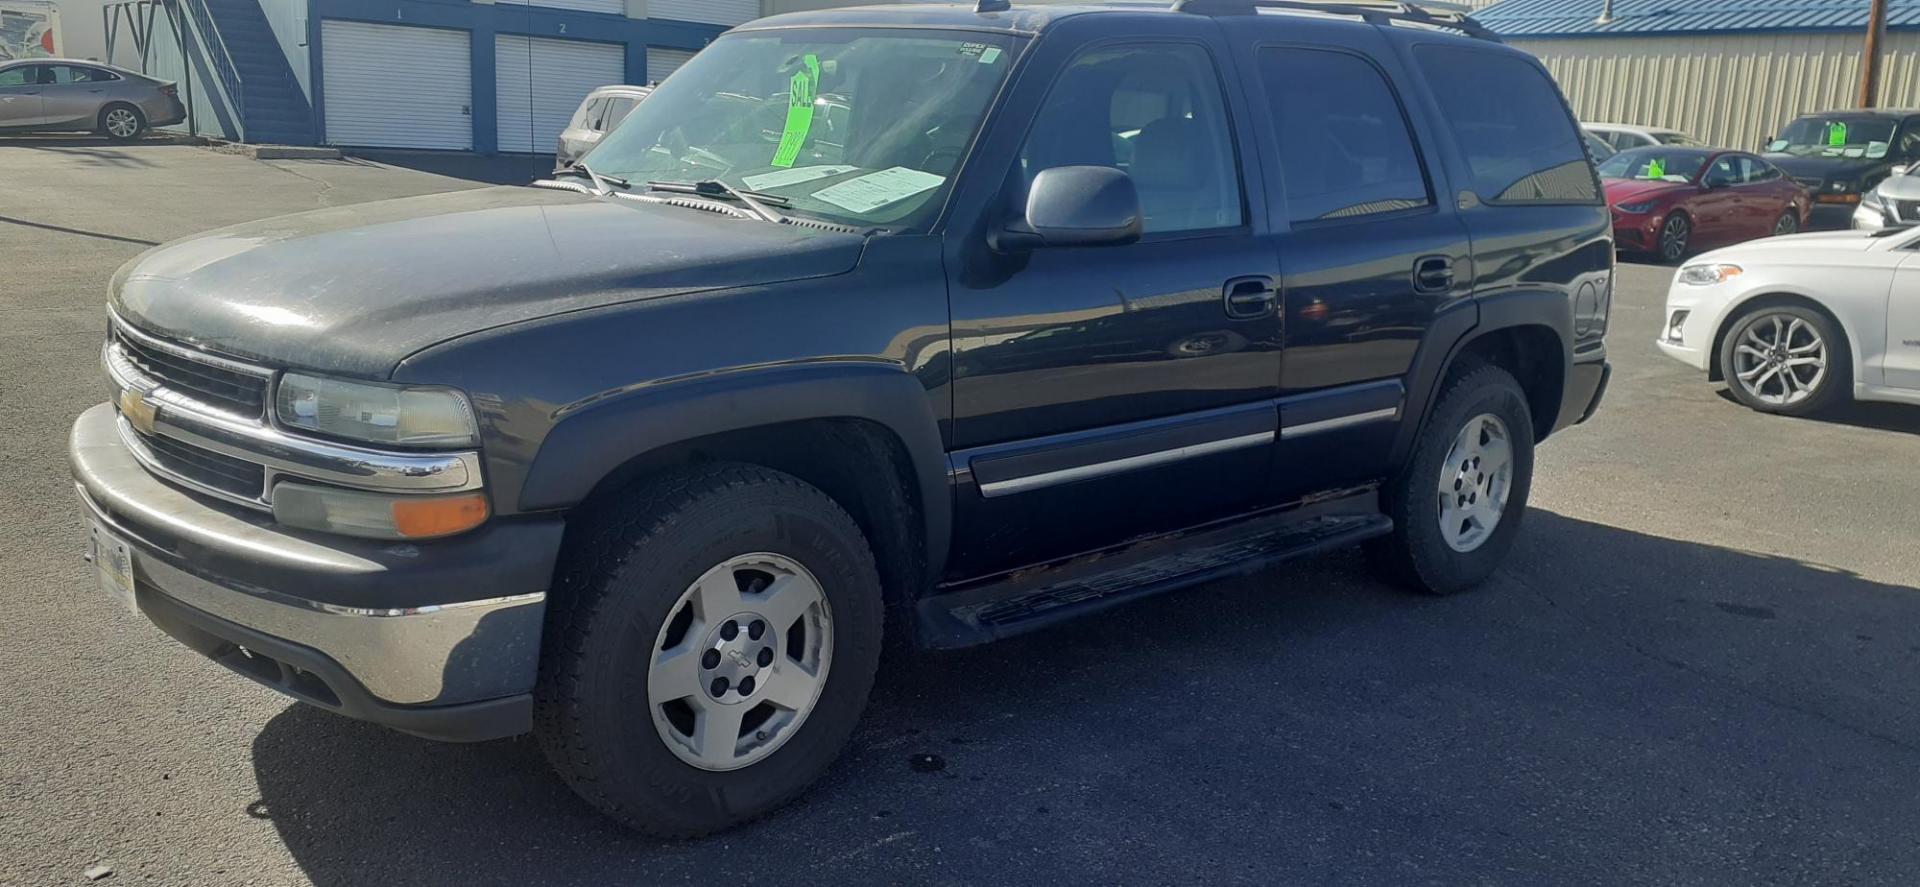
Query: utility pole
pixel 1870 62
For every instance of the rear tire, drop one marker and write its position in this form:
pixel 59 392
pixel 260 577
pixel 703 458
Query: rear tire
pixel 1458 502
pixel 622 609
pixel 122 122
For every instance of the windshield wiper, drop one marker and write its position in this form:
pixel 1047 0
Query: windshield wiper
pixel 761 204
pixel 600 182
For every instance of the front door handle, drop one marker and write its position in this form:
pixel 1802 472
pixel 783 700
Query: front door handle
pixel 1433 275
pixel 1247 298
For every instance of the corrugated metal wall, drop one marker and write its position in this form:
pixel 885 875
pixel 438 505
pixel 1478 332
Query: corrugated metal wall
pixel 1728 90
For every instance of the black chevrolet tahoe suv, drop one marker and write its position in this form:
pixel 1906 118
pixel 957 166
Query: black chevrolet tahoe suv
pixel 956 321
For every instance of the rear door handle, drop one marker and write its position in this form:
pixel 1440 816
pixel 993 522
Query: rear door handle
pixel 1433 275
pixel 1250 297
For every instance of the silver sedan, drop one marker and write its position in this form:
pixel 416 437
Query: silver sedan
pixel 65 95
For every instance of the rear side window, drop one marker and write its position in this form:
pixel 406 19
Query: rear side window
pixel 589 114
pixel 617 110
pixel 1508 119
pixel 1344 145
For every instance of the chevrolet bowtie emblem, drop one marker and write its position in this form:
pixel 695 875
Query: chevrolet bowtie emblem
pixel 139 410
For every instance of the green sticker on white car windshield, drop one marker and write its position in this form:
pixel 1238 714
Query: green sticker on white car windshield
pixel 801 91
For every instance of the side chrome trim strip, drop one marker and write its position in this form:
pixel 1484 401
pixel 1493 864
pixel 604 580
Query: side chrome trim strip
pixel 1101 469
pixel 1339 422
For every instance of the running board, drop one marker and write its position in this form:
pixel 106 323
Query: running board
pixel 1032 599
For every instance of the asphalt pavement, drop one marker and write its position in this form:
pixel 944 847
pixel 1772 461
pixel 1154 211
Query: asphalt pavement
pixel 1698 667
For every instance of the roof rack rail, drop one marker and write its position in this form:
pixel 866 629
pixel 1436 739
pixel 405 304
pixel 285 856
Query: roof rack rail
pixel 1378 12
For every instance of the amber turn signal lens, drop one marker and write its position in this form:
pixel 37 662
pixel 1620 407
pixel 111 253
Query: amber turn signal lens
pixel 426 518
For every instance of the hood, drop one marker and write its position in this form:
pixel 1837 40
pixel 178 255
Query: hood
pixel 1640 190
pixel 1825 247
pixel 354 290
pixel 1848 169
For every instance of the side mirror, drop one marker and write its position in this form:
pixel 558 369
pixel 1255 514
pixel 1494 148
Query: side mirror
pixel 1075 206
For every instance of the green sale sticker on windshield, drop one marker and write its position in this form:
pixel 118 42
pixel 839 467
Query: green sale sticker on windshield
pixel 801 91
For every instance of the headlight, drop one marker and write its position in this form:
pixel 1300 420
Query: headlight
pixel 1873 201
pixel 1635 207
pixel 380 414
pixel 1837 187
pixel 1708 275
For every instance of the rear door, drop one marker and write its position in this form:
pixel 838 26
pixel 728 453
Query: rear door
pixel 75 96
pixel 20 96
pixel 1902 358
pixel 1368 252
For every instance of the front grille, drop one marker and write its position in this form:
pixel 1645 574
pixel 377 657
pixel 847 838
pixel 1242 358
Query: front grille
pixel 218 387
pixel 205 467
pixel 1812 183
pixel 1907 210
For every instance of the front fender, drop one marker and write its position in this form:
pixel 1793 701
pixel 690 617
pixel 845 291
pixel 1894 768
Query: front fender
pixel 591 440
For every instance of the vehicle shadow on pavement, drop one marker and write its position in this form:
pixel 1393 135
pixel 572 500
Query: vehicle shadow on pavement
pixel 1612 701
pixel 1895 417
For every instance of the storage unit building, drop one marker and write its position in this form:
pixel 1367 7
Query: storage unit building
pixel 1730 72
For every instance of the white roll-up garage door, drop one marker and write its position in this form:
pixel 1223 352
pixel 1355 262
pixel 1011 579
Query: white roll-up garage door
pixel 616 7
pixel 661 62
pixel 713 12
pixel 540 83
pixel 396 86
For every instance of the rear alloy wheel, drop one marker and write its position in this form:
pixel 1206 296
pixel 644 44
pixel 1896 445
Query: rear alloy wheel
pixel 1788 223
pixel 1458 502
pixel 1674 236
pixel 122 123
pixel 1786 359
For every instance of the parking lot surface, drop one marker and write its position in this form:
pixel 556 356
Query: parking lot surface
pixel 1697 667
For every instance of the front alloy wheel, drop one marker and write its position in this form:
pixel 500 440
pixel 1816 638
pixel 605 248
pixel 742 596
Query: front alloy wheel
pixel 1787 359
pixel 1674 236
pixel 738 667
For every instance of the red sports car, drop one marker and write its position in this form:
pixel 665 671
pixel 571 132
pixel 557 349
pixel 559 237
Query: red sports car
pixel 1672 201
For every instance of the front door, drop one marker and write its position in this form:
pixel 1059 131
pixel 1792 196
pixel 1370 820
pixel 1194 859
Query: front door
pixel 1719 213
pixel 1102 393
pixel 20 96
pixel 1902 360
pixel 1371 255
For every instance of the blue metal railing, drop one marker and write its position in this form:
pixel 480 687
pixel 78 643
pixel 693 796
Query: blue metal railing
pixel 223 67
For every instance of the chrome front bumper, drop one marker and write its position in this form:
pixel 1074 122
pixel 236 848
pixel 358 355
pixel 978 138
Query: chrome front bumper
pixel 374 630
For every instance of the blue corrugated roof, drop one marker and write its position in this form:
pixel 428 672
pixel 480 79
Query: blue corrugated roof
pixel 1575 18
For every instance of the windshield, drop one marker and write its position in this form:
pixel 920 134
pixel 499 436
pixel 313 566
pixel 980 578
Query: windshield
pixel 1670 137
pixel 861 126
pixel 1836 136
pixel 1655 165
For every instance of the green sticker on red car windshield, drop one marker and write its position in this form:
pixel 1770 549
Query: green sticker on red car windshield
pixel 801 91
pixel 1657 168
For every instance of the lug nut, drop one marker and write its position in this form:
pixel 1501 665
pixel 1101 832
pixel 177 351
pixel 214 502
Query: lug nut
pixel 765 658
pixel 756 628
pixel 730 630
pixel 719 687
pixel 710 659
pixel 746 686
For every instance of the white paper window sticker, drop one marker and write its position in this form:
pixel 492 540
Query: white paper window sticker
pixel 797 175
pixel 989 55
pixel 1876 150
pixel 875 190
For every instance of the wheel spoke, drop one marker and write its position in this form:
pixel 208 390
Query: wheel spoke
pixel 1761 383
pixel 1813 345
pixel 718 597
pixel 791 687
pixel 675 673
pixel 1495 455
pixel 1794 327
pixel 716 734
pixel 1753 339
pixel 1750 374
pixel 1806 362
pixel 786 600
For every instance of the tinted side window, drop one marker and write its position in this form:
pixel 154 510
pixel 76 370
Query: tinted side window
pixel 20 76
pixel 1154 111
pixel 1344 145
pixel 617 111
pixel 1508 119
pixel 1724 171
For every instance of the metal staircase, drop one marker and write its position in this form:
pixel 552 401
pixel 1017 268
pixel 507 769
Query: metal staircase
pixel 229 48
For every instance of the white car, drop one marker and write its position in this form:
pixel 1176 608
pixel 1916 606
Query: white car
pixel 1894 202
pixel 1797 324
pixel 1623 136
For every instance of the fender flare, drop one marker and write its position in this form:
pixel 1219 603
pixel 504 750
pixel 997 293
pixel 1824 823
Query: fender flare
pixel 589 443
pixel 1458 326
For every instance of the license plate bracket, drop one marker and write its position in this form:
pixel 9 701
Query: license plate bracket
pixel 113 566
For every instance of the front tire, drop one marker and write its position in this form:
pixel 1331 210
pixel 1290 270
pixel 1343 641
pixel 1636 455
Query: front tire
pixel 122 122
pixel 1457 504
pixel 1786 359
pixel 710 646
